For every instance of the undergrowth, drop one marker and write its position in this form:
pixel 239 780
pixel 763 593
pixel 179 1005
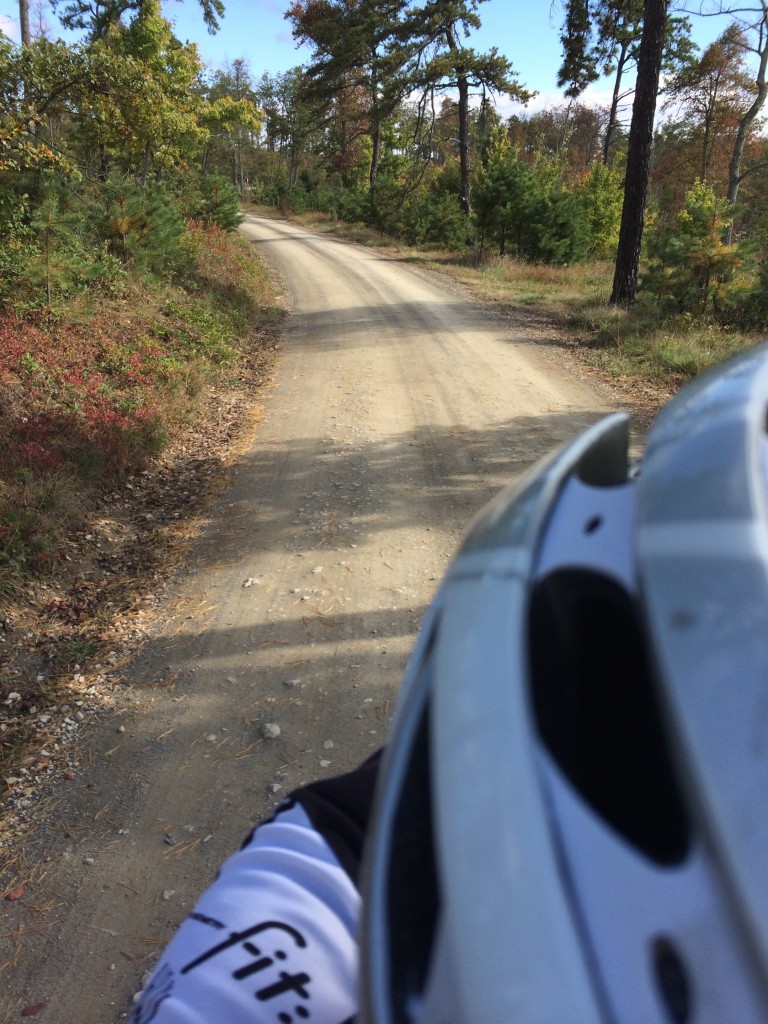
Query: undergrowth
pixel 90 391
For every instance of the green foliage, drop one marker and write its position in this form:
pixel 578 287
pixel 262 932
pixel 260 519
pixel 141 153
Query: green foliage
pixel 139 224
pixel 504 195
pixel 98 19
pixel 209 199
pixel 438 219
pixel 273 190
pixel 601 196
pixel 353 205
pixel 690 268
pixel 59 263
pixel 600 36
pixel 526 213
pixel 48 251
pixel 558 229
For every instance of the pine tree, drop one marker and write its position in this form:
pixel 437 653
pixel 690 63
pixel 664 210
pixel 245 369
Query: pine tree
pixel 140 224
pixel 690 267
pixel 639 152
pixel 57 260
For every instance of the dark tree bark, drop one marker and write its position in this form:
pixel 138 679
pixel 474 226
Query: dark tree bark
pixel 639 152
pixel 26 34
pixel 465 160
pixel 747 119
pixel 465 163
pixel 613 116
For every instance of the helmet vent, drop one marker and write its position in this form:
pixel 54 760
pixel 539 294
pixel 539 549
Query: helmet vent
pixel 597 711
pixel 672 981
pixel 593 525
pixel 412 895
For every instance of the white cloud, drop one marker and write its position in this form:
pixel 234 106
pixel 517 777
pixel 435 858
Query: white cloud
pixel 9 28
pixel 598 95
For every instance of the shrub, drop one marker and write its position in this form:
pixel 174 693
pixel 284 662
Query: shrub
pixel 602 196
pixel 140 225
pixel 438 219
pixel 690 267
pixel 208 199
pixel 527 215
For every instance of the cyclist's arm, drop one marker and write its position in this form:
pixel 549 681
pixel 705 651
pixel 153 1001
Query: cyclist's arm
pixel 274 939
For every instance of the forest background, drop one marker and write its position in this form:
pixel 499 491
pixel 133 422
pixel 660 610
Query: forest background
pixel 125 164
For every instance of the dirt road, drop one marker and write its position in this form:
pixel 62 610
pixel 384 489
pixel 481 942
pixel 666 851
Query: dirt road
pixel 398 409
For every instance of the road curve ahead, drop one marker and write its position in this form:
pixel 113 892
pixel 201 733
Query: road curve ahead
pixel 398 409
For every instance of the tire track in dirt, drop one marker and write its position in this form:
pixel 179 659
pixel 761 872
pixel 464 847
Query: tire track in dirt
pixel 399 408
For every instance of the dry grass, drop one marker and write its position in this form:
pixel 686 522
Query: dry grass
pixel 637 348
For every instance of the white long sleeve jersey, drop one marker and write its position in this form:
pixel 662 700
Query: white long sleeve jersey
pixel 274 939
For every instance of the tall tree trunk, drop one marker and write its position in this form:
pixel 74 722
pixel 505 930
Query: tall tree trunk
pixel 613 119
pixel 464 151
pixel 26 34
pixel 145 167
pixel 375 152
pixel 639 152
pixel 706 149
pixel 734 166
pixel 104 162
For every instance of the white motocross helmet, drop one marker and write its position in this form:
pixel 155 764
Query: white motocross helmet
pixel 571 825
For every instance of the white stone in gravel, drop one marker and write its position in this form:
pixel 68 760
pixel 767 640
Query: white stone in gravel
pixel 270 731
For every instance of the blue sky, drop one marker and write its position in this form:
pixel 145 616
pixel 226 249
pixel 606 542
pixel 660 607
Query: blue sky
pixel 521 30
pixel 525 31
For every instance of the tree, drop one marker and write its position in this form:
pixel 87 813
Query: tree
pixel 601 197
pixel 572 131
pixel 639 152
pixel 602 37
pixel 139 223
pixel 97 16
pixel 358 61
pixel 52 228
pixel 148 116
pixel 289 126
pixel 232 118
pixel 526 211
pixel 37 82
pixel 755 28
pixel 26 34
pixel 711 94
pixel 435 32
pixel 690 267
pixel 751 18
pixel 385 49
pixel 506 194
